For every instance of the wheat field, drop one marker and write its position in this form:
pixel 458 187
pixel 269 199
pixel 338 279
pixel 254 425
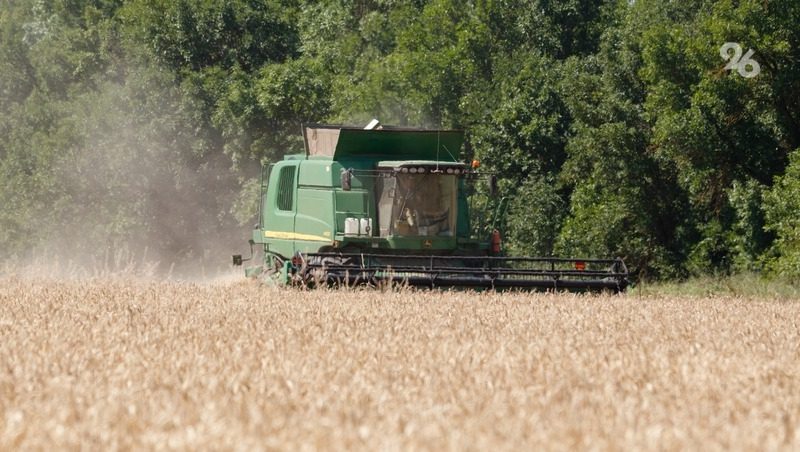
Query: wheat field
pixel 110 363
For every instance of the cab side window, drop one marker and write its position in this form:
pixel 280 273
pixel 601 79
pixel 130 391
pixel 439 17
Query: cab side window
pixel 286 188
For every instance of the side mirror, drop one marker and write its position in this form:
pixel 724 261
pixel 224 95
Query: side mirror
pixel 347 180
pixel 237 258
pixel 493 185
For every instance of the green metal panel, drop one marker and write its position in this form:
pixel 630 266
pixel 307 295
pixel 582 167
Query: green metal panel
pixel 315 204
pixel 353 201
pixel 258 235
pixel 319 173
pixel 279 208
pixel 327 173
pixel 314 220
pixel 442 145
pixel 352 204
pixel 427 163
pixel 401 245
pixel 422 243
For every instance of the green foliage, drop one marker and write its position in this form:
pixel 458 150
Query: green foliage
pixel 535 218
pixel 748 235
pixel 745 285
pixel 525 131
pixel 782 204
pixel 190 36
pixel 558 29
pixel 722 131
pixel 613 126
pixel 624 200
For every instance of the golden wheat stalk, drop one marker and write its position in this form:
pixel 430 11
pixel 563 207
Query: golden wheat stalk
pixel 123 364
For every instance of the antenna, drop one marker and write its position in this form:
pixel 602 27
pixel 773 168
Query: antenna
pixel 449 153
pixel 305 138
pixel 438 133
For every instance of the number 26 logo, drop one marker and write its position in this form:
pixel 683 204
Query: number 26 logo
pixel 746 66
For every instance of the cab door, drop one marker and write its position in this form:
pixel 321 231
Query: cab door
pixel 281 208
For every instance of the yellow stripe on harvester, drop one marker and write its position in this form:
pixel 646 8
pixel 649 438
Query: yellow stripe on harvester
pixel 294 236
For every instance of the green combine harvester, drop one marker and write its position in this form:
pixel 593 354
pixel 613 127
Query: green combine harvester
pixel 380 204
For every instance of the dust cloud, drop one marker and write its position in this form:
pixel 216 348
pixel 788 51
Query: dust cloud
pixel 144 189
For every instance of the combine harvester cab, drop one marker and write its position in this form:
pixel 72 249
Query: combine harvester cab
pixel 390 204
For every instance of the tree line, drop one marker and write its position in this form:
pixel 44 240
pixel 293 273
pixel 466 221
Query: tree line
pixel 614 126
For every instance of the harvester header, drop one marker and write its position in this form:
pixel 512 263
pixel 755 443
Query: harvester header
pixel 392 204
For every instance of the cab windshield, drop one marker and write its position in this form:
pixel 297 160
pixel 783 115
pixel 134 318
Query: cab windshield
pixel 417 205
